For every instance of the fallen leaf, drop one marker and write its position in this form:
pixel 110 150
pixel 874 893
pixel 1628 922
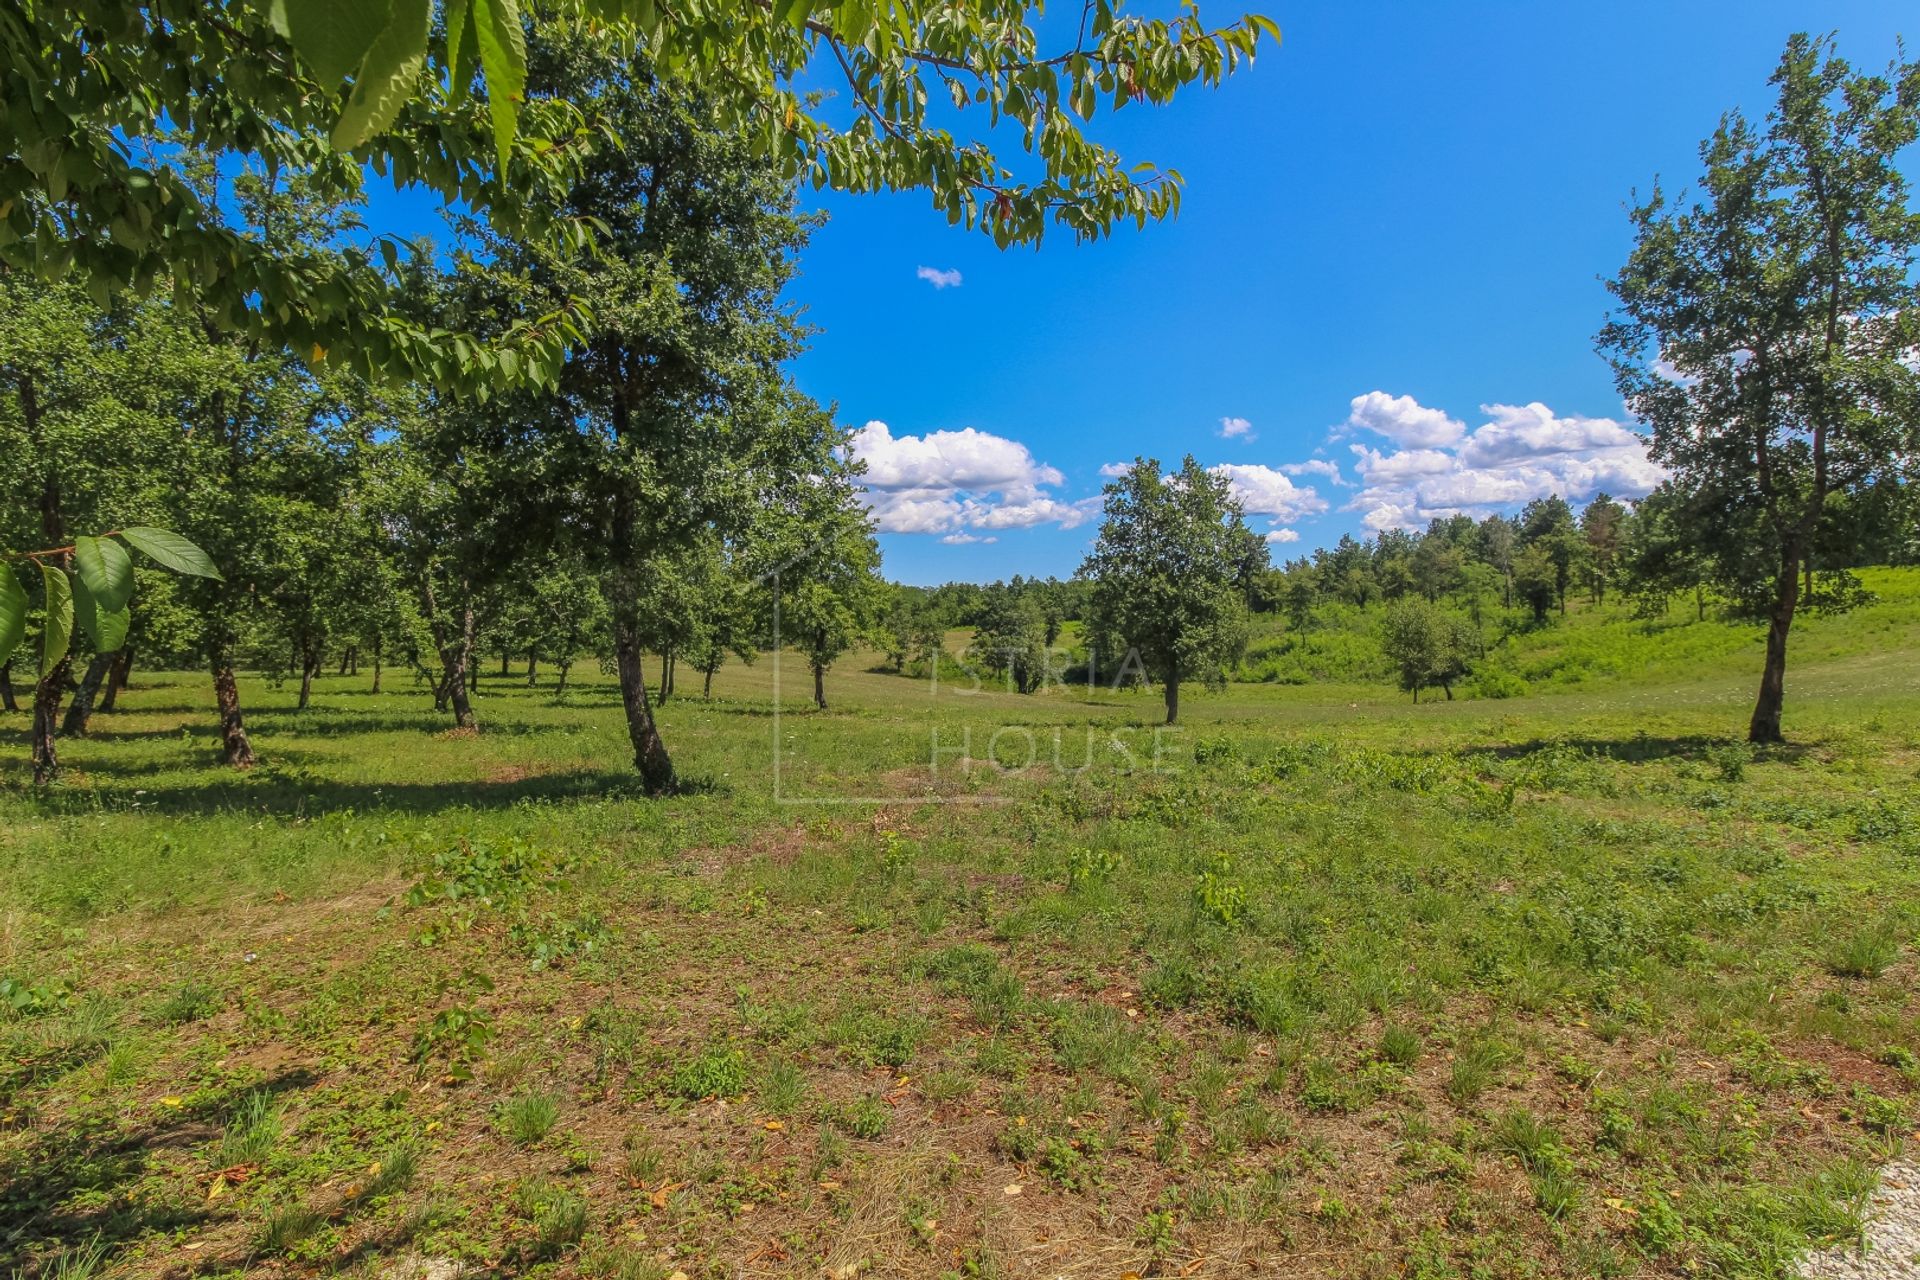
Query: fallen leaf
pixel 664 1190
pixel 218 1189
pixel 1012 1189
pixel 829 1185
pixel 172 1100
pixel 775 1126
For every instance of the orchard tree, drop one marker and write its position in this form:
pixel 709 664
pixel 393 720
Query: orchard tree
pixel 1166 574
pixel 1765 329
pixel 1603 524
pixel 101 95
pixel 1428 645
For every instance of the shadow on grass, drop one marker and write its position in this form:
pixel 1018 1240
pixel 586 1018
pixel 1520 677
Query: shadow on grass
pixel 273 790
pixel 75 1187
pixel 1641 748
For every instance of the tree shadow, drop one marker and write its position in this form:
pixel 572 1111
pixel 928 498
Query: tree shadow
pixel 1640 748
pixel 270 791
pixel 74 1185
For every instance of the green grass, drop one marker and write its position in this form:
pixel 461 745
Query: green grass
pixel 1563 984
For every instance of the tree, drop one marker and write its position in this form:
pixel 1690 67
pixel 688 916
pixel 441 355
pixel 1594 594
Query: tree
pixel 830 590
pixel 1166 574
pixel 1496 538
pixel 1765 326
pixel 1534 578
pixel 1603 525
pixel 97 88
pixel 1010 640
pixel 1548 525
pixel 1428 645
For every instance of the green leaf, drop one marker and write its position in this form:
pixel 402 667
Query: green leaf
pixel 107 570
pixel 387 76
pixel 57 635
pixel 459 51
pixel 106 627
pixel 170 551
pixel 503 58
pixel 13 611
pixel 333 36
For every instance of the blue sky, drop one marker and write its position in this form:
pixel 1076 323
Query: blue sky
pixel 1394 233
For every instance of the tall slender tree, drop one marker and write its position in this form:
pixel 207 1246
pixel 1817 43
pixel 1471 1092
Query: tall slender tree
pixel 1765 328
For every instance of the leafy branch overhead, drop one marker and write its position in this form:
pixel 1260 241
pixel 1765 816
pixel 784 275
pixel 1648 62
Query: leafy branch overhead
pixel 95 593
pixel 860 96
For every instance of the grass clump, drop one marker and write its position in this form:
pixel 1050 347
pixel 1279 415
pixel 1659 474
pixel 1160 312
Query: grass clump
pixel 528 1118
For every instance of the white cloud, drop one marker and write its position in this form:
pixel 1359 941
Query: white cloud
pixel 1521 452
pixel 1236 429
pixel 1403 420
pixel 948 482
pixel 1114 470
pixel 1266 491
pixel 1283 535
pixel 947 279
pixel 1314 467
pixel 965 539
pixel 1532 430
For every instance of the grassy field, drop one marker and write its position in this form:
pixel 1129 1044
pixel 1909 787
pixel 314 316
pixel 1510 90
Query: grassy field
pixel 1320 984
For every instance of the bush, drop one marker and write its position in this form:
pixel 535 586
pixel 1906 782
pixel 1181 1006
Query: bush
pixel 1497 683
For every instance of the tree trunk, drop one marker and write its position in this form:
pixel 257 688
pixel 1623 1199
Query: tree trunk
pixel 673 671
pixel 233 726
pixel 1171 691
pixel 820 685
pixel 533 668
pixel 649 751
pixel 706 693
pixel 309 662
pixel 46 710
pixel 1447 687
pixel 117 676
pixel 663 678
pixel 80 710
pixel 455 659
pixel 1765 726
pixel 376 664
pixel 560 689
pixel 504 672
pixel 7 700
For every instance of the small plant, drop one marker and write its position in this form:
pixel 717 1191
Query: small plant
pixel 783 1086
pixel 530 1117
pixel 558 1215
pixel 1400 1045
pixel 1475 1065
pixel 190 1002
pixel 643 1160
pixel 81 1262
pixel 1865 953
pixel 287 1226
pixel 1730 760
pixel 1089 866
pixel 1218 896
pixel 896 854
pixel 716 1073
pixel 251 1131
pixel 866 1119
pixel 458 1034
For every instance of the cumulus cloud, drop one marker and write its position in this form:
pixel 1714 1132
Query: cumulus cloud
pixel 1114 470
pixel 1236 429
pixel 1267 491
pixel 965 539
pixel 939 279
pixel 1519 453
pixel 1283 535
pixel 1403 420
pixel 1314 467
pixel 948 482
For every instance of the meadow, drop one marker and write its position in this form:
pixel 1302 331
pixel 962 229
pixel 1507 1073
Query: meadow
pixel 1321 983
